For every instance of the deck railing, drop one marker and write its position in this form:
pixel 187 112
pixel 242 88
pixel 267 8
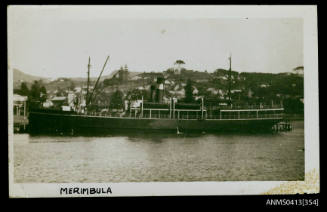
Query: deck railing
pixel 195 114
pixel 254 106
pixel 246 116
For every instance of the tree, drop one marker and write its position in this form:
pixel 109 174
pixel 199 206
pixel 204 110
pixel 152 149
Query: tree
pixel 35 90
pixel 189 91
pixel 293 105
pixel 170 71
pixel 102 99
pixel 43 94
pixel 37 94
pixel 60 92
pixel 71 86
pixel 23 90
pixel 116 100
pixel 109 82
pixel 179 63
pixel 137 94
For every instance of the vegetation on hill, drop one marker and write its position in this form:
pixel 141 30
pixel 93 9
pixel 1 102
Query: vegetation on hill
pixel 37 94
pixel 246 88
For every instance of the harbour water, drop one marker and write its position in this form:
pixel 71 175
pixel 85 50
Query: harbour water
pixel 161 157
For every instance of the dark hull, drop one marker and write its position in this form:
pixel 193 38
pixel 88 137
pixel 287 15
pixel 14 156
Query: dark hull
pixel 59 123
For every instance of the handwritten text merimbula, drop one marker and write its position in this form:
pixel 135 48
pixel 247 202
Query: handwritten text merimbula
pixel 78 190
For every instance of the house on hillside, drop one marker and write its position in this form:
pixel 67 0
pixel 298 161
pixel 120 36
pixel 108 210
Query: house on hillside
pixel 264 85
pixel 180 93
pixel 250 93
pixel 77 89
pixel 71 99
pixel 140 88
pixel 135 103
pixel 213 91
pixel 222 77
pixel 198 97
pixel 136 77
pixel 147 87
pixel 59 101
pixel 201 80
pixel 168 82
pixel 221 92
pixel 236 91
pixel 48 103
pixel 195 90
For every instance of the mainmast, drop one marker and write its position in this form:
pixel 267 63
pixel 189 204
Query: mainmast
pixel 230 80
pixel 88 81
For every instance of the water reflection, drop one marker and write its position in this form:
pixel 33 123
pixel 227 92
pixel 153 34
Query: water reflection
pixel 134 136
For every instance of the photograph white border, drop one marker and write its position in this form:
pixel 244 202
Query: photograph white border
pixel 309 15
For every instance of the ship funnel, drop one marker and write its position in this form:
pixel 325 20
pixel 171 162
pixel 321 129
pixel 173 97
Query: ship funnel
pixel 157 90
pixel 160 89
pixel 153 93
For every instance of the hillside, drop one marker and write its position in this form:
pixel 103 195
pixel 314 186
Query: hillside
pixel 19 77
pixel 103 77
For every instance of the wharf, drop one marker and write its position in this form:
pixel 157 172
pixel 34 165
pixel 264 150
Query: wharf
pixel 20 123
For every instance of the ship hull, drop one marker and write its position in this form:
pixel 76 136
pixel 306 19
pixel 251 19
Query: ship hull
pixel 59 123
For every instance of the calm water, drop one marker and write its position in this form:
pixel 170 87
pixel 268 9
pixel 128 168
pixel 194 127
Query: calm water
pixel 160 157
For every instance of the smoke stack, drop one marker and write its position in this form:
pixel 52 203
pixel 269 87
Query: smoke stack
pixel 157 91
pixel 160 89
pixel 153 93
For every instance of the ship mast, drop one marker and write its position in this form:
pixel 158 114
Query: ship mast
pixel 230 80
pixel 88 81
pixel 96 83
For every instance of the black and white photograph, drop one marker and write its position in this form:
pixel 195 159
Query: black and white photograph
pixel 162 100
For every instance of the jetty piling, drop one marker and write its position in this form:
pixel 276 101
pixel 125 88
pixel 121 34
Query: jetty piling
pixel 283 126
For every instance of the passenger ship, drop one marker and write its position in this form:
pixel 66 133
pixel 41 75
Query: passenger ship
pixel 152 116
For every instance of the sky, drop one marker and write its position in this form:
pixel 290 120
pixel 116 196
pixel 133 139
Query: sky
pixel 57 41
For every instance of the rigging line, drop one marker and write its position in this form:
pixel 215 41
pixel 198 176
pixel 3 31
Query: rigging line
pixel 96 84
